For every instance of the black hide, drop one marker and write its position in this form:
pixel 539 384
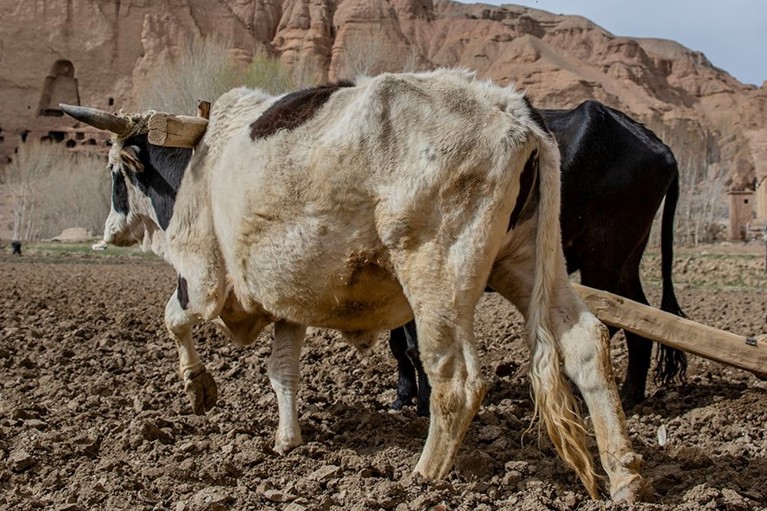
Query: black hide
pixel 163 169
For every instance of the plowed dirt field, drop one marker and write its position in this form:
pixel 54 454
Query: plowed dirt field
pixel 93 414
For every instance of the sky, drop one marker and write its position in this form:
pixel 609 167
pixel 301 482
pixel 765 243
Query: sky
pixel 731 33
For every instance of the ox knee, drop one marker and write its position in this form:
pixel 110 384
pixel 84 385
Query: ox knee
pixel 199 385
pixel 586 349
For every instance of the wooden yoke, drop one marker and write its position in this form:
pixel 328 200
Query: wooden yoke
pixel 203 109
pixel 744 352
pixel 171 130
pixel 176 130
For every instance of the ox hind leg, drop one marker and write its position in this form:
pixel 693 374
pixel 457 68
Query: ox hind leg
pixel 670 362
pixel 407 385
pixel 443 302
pixel 284 375
pixel 598 274
pixel 403 342
pixel 582 342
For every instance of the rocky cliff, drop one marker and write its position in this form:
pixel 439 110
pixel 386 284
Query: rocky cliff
pixel 97 51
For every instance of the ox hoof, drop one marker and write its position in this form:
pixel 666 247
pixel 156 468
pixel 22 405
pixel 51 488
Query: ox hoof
pixel 400 403
pixel 631 395
pixel 201 390
pixel 635 490
pixel 283 445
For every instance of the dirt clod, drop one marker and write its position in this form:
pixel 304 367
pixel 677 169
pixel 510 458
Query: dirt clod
pixel 19 461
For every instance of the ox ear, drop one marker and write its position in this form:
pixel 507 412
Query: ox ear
pixel 130 155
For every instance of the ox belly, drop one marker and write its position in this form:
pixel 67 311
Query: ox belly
pixel 311 276
pixel 360 301
pixel 362 306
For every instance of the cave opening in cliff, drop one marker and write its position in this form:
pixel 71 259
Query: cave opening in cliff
pixel 60 87
pixel 57 136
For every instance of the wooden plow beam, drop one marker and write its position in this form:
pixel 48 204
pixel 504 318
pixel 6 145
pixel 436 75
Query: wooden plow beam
pixel 736 350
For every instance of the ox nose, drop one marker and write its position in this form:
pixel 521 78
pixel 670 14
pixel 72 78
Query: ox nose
pixel 114 228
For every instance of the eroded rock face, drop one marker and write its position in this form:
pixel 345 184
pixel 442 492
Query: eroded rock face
pixel 559 60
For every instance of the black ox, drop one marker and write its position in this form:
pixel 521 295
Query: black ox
pixel 615 174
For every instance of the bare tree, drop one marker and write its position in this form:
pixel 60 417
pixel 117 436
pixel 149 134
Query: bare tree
pixel 702 200
pixel 53 188
pixel 307 73
pixel 363 57
pixel 702 184
pixel 268 74
pixel 414 61
pixel 32 162
pixel 205 68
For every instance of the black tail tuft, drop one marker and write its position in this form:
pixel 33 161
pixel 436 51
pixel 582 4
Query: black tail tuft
pixel 670 366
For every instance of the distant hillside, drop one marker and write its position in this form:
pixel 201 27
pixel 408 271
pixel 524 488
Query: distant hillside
pixel 98 51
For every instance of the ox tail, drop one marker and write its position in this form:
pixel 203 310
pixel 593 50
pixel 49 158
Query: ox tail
pixel 555 404
pixel 671 364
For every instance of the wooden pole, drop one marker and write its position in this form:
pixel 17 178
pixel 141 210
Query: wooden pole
pixel 176 130
pixel 744 352
pixel 764 238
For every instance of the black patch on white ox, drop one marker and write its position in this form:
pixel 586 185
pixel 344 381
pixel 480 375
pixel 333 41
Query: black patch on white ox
pixel 182 293
pixel 161 178
pixel 119 193
pixel 529 193
pixel 293 110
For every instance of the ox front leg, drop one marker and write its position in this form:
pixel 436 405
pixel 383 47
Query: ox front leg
pixel 284 374
pixel 198 383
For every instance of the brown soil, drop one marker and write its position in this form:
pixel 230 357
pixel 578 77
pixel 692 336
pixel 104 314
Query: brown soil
pixel 93 415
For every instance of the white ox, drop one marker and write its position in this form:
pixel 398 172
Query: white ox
pixel 356 208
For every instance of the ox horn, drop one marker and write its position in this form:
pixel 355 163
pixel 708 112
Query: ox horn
pixel 98 118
